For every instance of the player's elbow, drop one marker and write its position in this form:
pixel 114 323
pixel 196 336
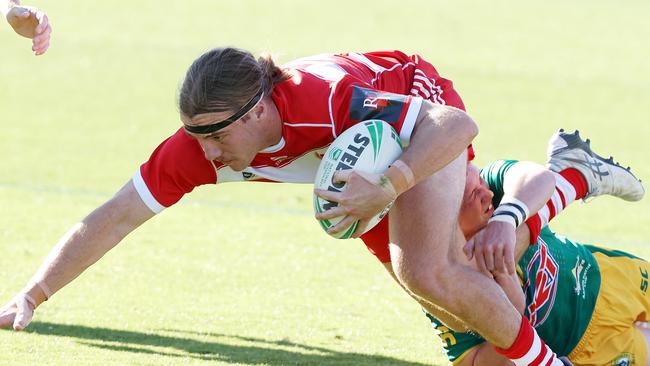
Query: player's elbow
pixel 469 128
pixel 458 125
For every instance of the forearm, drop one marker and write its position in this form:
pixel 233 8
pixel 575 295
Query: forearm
pixel 86 242
pixel 440 135
pixel 529 183
pixel 78 249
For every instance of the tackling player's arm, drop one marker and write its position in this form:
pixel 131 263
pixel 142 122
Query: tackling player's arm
pixel 526 187
pixel 484 354
pixel 84 244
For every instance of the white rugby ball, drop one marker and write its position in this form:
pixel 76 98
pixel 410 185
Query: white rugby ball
pixel 369 146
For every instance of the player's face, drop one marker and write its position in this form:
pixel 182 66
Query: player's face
pixel 235 145
pixel 476 208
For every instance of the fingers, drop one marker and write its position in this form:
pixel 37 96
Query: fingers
pixel 468 249
pixel 499 264
pixel 41 42
pixel 361 228
pixel 43 22
pixel 342 225
pixel 509 254
pixel 331 213
pixel 40 49
pixel 341 176
pixel 7 317
pixel 328 195
pixel 489 259
pixel 24 313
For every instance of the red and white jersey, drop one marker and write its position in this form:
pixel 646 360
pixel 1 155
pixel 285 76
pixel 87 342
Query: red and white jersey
pixel 326 95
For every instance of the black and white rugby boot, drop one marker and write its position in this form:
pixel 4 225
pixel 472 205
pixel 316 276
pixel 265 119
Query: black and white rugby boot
pixel 603 176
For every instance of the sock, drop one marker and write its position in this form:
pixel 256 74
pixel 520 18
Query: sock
pixel 570 185
pixel 529 350
pixel 577 180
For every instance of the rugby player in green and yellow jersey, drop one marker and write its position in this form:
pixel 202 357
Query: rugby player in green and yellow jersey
pixel 588 303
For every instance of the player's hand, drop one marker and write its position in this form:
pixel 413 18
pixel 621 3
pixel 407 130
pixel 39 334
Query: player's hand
pixel 365 195
pixel 18 312
pixel 32 23
pixel 493 248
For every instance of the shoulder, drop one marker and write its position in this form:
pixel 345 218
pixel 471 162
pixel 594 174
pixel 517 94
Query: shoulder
pixel 175 167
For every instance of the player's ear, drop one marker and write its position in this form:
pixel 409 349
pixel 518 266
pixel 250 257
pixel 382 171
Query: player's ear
pixel 260 110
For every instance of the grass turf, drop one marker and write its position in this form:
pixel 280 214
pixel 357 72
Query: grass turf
pixel 242 274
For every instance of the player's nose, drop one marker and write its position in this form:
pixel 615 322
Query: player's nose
pixel 211 151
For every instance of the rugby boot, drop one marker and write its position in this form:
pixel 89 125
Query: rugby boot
pixel 603 176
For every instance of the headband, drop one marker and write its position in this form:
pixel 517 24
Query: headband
pixel 214 127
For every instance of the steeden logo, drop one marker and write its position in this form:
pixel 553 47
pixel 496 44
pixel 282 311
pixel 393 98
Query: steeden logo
pixel 335 153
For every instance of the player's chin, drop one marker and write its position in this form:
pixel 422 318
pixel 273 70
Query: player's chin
pixel 238 165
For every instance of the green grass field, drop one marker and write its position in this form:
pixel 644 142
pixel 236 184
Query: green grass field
pixel 242 274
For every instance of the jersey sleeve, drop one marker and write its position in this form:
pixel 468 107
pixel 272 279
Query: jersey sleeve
pixel 175 168
pixel 354 101
pixel 494 174
pixel 455 344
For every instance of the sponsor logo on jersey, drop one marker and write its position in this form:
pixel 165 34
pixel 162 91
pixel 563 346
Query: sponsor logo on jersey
pixel 378 103
pixel 580 276
pixel 248 175
pixel 368 104
pixel 347 159
pixel 545 287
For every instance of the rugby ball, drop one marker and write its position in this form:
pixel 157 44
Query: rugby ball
pixel 369 146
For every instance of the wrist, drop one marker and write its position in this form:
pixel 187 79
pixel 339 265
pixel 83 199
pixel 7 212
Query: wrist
pixel 38 292
pixel 511 211
pixel 401 176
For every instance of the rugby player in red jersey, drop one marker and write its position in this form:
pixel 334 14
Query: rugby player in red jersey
pixel 249 120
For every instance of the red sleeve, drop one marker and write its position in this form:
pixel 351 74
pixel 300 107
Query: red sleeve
pixel 174 169
pixel 354 102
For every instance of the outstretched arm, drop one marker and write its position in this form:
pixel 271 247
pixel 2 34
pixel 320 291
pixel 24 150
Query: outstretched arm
pixel 29 22
pixel 84 244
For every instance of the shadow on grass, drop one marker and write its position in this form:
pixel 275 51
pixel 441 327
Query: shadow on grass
pixel 181 344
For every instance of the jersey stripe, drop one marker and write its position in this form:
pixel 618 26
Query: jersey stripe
pixel 409 120
pixel 364 60
pixel 308 125
pixel 333 89
pixel 145 194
